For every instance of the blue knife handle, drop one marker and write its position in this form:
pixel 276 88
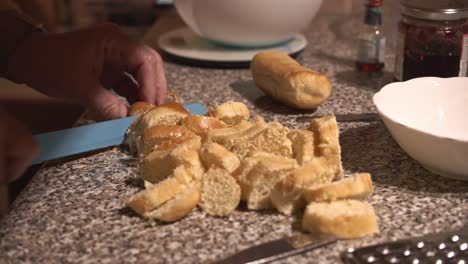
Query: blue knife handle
pixel 81 139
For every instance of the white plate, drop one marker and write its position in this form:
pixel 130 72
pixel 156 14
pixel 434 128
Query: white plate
pixel 183 43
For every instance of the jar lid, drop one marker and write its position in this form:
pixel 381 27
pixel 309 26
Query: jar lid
pixel 435 9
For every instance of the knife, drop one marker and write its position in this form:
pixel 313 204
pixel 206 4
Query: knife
pixel 86 138
pixel 278 249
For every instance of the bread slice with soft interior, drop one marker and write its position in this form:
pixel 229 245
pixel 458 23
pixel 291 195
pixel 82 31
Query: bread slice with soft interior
pixel 345 219
pixel 287 195
pixel 215 155
pixel 200 125
pixel 158 165
pixel 303 147
pixel 228 140
pixel 230 112
pixel 157 194
pixel 257 176
pixel 264 137
pixel 326 141
pixel 220 193
pixel 179 206
pixel 160 137
pixel 220 135
pixel 356 186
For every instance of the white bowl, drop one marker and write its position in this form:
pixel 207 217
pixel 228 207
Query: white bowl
pixel 428 118
pixel 247 23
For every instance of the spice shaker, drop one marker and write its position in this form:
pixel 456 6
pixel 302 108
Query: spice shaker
pixel 432 39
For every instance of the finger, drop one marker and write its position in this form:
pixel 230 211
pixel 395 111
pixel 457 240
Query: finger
pixel 104 105
pixel 141 61
pixel 150 75
pixel 21 148
pixel 121 82
pixel 161 82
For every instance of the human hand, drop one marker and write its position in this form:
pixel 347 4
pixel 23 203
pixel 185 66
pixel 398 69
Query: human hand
pixel 82 66
pixel 18 148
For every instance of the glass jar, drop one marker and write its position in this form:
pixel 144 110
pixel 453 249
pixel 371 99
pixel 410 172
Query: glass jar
pixel 432 39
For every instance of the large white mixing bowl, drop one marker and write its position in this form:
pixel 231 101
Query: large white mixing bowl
pixel 247 23
pixel 428 117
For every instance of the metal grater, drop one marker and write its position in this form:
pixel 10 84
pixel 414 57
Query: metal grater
pixel 449 247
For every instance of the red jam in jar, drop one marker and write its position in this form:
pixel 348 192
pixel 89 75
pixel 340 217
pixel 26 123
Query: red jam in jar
pixel 433 39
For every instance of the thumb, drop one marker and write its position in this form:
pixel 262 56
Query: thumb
pixel 104 105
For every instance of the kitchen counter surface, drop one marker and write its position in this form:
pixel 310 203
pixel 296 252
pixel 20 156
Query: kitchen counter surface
pixel 73 210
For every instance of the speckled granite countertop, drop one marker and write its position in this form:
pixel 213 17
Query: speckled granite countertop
pixel 73 211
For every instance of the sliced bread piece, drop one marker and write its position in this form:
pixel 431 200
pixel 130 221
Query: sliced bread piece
pixel 214 155
pixel 157 194
pixel 178 207
pixel 326 141
pixel 220 135
pixel 158 165
pixel 257 176
pixel 200 125
pixel 270 137
pixel 357 186
pixel 165 114
pixel 162 137
pixel 303 147
pixel 220 193
pixel 341 219
pixel 287 195
pixel 230 112
pixel 240 135
pixel 190 159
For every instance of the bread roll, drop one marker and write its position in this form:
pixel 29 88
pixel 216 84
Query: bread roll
pixel 341 219
pixel 139 108
pixel 285 80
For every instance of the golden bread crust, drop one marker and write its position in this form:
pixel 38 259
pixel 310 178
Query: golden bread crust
pixel 285 80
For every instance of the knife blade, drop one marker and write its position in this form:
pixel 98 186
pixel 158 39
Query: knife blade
pixel 364 117
pixel 86 138
pixel 278 249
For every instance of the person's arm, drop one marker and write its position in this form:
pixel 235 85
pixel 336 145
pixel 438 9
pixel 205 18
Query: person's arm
pixel 15 27
pixel 79 66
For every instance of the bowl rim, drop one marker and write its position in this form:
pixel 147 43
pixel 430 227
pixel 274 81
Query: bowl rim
pixel 412 127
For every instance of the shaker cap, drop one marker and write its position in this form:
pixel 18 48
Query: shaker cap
pixel 435 9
